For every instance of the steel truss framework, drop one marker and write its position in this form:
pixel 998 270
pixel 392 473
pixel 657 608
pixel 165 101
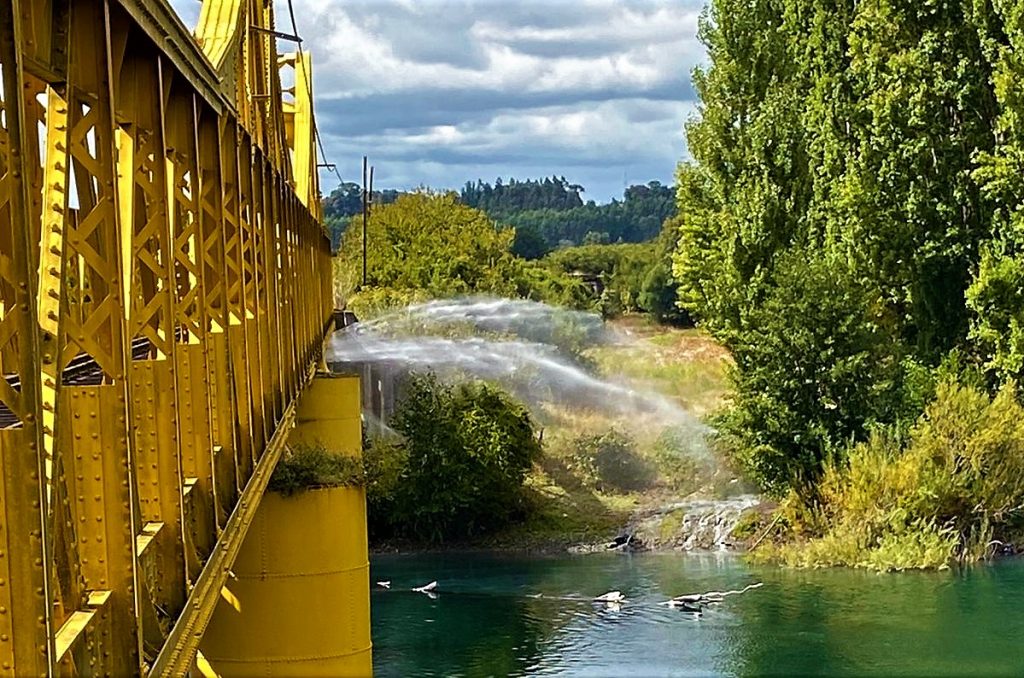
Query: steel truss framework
pixel 164 293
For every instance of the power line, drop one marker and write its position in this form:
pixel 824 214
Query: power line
pixel 309 93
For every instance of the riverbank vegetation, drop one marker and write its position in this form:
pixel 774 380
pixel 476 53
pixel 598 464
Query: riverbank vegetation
pixel 593 472
pixel 951 490
pixel 850 230
pixel 587 472
pixel 430 245
pixel 456 468
pixel 599 474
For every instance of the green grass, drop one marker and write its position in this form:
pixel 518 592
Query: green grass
pixel 312 467
pixel 666 337
pixel 670 526
pixel 559 509
pixel 684 364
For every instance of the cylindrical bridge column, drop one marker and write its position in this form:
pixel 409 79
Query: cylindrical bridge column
pixel 298 603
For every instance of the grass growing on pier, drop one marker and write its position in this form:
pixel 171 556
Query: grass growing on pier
pixel 310 467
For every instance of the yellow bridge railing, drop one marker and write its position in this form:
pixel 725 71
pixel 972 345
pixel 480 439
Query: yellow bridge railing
pixel 164 294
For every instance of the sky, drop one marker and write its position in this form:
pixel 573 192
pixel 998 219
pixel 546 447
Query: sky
pixel 440 92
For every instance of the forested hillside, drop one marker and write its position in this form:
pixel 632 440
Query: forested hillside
pixel 549 214
pixel 346 201
pixel 851 229
pixel 554 193
pixel 546 213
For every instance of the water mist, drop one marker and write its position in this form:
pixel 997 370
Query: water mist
pixel 534 350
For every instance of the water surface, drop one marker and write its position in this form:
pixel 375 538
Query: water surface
pixel 486 619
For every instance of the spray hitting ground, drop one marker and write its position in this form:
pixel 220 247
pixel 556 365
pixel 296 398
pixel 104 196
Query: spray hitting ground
pixel 527 320
pixel 535 350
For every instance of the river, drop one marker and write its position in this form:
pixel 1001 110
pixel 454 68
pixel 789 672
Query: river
pixel 486 619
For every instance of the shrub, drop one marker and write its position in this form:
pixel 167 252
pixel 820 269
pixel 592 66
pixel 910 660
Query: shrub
pixel 610 461
pixel 541 283
pixel 467 450
pixel 385 461
pixel 679 462
pixel 430 242
pixel 956 484
pixel 621 268
pixel 814 370
pixel 312 466
pixel 376 301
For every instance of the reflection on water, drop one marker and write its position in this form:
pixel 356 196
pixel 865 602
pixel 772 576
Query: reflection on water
pixel 487 619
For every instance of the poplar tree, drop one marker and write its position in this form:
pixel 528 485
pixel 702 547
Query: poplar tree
pixel 846 161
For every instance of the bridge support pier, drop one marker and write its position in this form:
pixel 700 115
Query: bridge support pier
pixel 298 603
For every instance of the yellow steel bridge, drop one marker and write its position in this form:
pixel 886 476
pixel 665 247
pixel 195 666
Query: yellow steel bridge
pixel 165 292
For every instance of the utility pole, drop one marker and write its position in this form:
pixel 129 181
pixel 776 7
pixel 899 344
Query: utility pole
pixel 366 205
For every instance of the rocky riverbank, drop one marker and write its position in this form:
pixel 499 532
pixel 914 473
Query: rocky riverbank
pixel 694 524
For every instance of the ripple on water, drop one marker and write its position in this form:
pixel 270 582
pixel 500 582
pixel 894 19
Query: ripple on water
pixel 852 623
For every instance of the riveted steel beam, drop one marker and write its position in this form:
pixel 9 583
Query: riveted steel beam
pixel 26 620
pixel 152 335
pixel 164 27
pixel 178 653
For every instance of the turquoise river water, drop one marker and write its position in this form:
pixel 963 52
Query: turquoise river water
pixel 487 620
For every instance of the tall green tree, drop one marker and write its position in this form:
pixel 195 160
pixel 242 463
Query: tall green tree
pixel 433 243
pixel 996 295
pixel 844 135
pixel 743 198
pixel 906 208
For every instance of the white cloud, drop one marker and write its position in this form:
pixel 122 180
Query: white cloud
pixel 441 92
pixel 663 25
pixel 628 48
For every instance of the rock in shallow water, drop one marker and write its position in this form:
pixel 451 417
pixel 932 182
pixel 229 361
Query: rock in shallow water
pixel 693 525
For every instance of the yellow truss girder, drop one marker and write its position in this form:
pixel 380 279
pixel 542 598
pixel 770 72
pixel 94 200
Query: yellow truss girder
pixel 300 127
pixel 164 293
pixel 237 36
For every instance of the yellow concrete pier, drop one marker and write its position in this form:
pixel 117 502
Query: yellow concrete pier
pixel 297 602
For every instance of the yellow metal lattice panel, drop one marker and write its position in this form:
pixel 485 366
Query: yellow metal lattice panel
pixel 151 345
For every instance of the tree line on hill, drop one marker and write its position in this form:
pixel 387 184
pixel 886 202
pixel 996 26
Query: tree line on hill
pixel 545 213
pixel 638 217
pixel 514 195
